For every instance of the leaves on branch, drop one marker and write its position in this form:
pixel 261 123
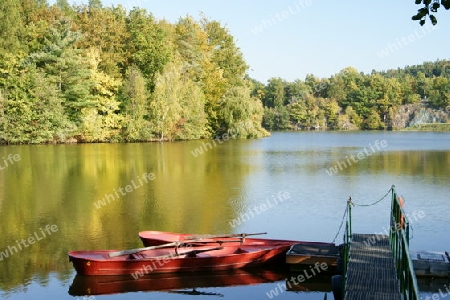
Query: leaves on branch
pixel 446 4
pixel 429 6
pixel 435 7
pixel 433 20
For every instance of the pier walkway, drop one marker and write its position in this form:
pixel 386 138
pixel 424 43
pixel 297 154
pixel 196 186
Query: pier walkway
pixel 379 266
pixel 371 272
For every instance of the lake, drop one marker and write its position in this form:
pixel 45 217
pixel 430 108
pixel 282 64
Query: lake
pixel 99 196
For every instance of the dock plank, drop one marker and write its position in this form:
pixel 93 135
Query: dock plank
pixel 371 272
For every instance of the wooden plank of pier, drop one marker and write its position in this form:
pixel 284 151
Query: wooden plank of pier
pixel 371 271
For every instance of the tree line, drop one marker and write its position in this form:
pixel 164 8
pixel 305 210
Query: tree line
pixel 350 99
pixel 90 73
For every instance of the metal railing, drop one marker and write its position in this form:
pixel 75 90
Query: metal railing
pixel 399 239
pixel 347 241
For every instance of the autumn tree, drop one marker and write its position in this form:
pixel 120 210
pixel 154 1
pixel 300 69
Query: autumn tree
pixel 146 44
pixel 100 121
pixel 11 27
pixel 135 107
pixel 106 30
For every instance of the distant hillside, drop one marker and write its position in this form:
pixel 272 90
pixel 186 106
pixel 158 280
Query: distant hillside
pixel 351 100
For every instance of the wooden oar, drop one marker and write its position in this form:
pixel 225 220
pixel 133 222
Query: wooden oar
pixel 220 242
pixel 188 252
pixel 132 251
pixel 212 236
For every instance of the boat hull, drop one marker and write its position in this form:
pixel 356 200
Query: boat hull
pixel 156 238
pixel 166 261
pixel 301 255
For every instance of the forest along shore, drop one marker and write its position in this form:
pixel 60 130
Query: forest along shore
pixel 152 80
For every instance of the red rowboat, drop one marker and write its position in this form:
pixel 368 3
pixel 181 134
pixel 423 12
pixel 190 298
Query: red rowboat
pixel 155 238
pixel 168 260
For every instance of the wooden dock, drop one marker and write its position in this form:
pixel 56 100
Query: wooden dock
pixel 371 271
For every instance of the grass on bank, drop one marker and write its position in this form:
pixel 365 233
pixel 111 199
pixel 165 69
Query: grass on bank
pixel 429 127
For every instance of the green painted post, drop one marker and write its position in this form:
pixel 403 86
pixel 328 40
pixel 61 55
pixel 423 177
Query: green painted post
pixel 350 214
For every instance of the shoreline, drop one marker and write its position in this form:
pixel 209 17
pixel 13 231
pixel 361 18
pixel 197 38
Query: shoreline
pixel 428 127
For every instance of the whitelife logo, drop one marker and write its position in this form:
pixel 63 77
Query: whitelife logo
pixel 35 237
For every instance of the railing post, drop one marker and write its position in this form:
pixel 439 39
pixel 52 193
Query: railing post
pixel 347 240
pixel 349 203
pixel 407 233
pixel 346 254
pixel 399 238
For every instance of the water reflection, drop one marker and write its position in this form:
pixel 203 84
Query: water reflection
pixel 176 283
pixel 59 184
pixel 199 283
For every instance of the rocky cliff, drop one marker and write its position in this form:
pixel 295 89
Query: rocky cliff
pixel 411 115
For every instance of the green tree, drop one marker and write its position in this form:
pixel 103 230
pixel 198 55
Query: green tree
pixel 65 65
pixel 331 112
pixel 423 84
pixel 146 44
pixel 274 94
pixel 439 93
pixel 95 4
pixel 192 44
pixel 65 7
pixel 294 91
pixel 349 120
pixel 193 123
pixel 409 89
pixel 32 109
pixel 225 53
pixel 11 27
pixel 105 29
pixel 101 121
pixel 373 121
pixel 299 114
pixel 135 106
pixel 241 115
pixel 165 105
pixel 178 105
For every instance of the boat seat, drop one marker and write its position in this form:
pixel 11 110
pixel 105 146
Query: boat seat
pixel 136 256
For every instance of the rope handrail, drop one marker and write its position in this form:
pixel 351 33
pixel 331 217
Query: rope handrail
pixel 351 203
pixel 342 223
pixel 376 202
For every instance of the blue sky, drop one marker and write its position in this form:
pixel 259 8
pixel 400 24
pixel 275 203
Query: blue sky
pixel 292 38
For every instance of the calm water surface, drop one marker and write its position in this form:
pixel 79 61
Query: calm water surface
pixel 212 192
